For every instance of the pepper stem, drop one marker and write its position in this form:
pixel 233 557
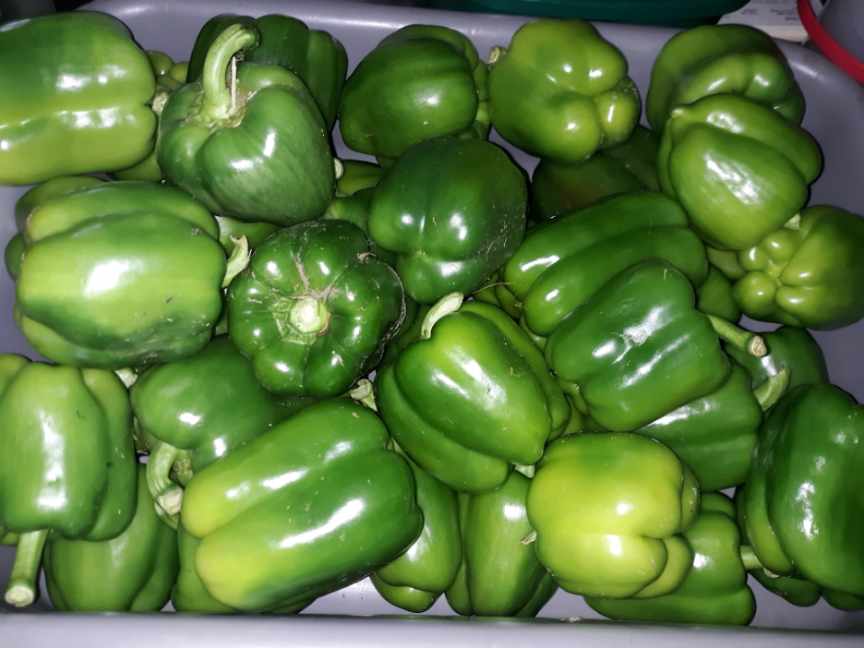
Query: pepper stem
pixel 529 539
pixel 770 391
pixel 167 496
pixel 527 471
pixel 449 303
pixel 309 315
pixel 21 588
pixel 495 53
pixel 238 260
pixel 749 559
pixel 738 337
pixel 219 99
pixel 127 376
pixel 364 394
pixel 338 168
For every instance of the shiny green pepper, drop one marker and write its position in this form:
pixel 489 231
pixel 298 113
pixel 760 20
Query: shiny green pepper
pixel 67 464
pixel 560 91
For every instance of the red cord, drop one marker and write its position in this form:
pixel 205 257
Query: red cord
pixel 833 51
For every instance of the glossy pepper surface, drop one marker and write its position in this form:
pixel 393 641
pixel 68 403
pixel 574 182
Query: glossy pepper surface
pixel 557 189
pixel 314 309
pixel 715 434
pixel 315 56
pixel 562 265
pixel 714 591
pixel 722 59
pixel 419 83
pixel 81 86
pixel 789 348
pixel 253 147
pixel 806 273
pixel 471 397
pixel 68 465
pixel 738 168
pixel 100 281
pixel 428 567
pixel 452 211
pixel 639 348
pixel 560 91
pixel 500 574
pixel 802 501
pixel 197 410
pixel 133 572
pixel 608 510
pixel 308 507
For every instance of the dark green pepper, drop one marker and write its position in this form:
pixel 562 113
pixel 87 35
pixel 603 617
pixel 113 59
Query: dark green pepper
pixel 133 572
pixel 67 464
pixel 254 148
pixel 356 176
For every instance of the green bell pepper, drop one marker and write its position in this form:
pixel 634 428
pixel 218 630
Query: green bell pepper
pixel 67 464
pixel 561 265
pixel 356 176
pixel 715 297
pixel 196 411
pixel 716 433
pixel 453 211
pixel 560 188
pixel 471 397
pixel 806 273
pixel 356 209
pixel 315 56
pixel 639 348
pixel 314 309
pixel 81 87
pixel 802 500
pixel 428 567
pixel 120 274
pixel 255 149
pixel 738 168
pixel 133 572
pixel 722 59
pixel 715 588
pixel 790 348
pixel 231 229
pixel 419 83
pixel 560 91
pixel 608 510
pixel 309 506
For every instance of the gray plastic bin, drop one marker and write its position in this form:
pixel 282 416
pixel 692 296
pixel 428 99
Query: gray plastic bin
pixel 835 115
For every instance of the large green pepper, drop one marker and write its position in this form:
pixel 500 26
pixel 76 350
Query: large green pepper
pixel 453 211
pixel 67 464
pixel 560 266
pixel 639 348
pixel 500 574
pixel 715 588
pixel 419 83
pixel 197 410
pixel 133 572
pixel 739 168
pixel 803 498
pixel 315 56
pixel 81 89
pixel 428 567
pixel 561 92
pixel 255 148
pixel 314 309
pixel 560 188
pixel 120 274
pixel 807 273
pixel 608 510
pixel 310 506
pixel 716 433
pixel 471 397
pixel 722 59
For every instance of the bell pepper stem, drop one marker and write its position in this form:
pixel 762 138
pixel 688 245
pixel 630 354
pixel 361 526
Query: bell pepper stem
pixel 738 337
pixel 239 259
pixel 496 53
pixel 220 100
pixel 770 391
pixel 528 471
pixel 338 168
pixel 448 304
pixel 364 394
pixel 21 588
pixel 529 539
pixel 749 558
pixel 167 496
pixel 127 376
